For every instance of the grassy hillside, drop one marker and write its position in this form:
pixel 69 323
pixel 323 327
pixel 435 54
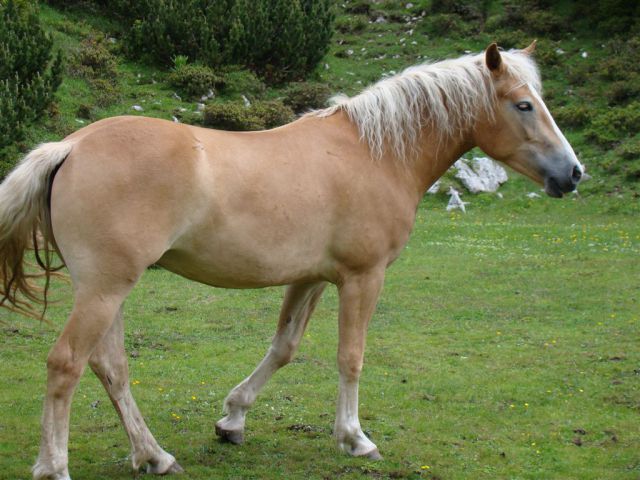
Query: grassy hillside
pixel 505 344
pixel 590 78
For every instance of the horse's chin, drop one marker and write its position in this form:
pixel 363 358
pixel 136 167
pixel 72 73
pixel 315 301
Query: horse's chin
pixel 552 188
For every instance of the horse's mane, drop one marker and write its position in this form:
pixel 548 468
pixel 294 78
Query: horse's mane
pixel 447 95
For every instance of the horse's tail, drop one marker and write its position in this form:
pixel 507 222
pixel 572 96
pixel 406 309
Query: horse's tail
pixel 25 223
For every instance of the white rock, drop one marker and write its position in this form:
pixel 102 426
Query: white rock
pixel 175 119
pixel 455 202
pixel 138 108
pixel 381 19
pixel 176 96
pixel 533 195
pixel 480 174
pixel 199 107
pixel 559 51
pixel 435 188
pixel 584 54
pixel 408 6
pixel 246 101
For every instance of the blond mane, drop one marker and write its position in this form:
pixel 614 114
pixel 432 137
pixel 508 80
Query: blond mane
pixel 447 96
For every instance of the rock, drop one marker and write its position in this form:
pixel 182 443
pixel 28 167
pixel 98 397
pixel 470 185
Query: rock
pixel 584 54
pixel 480 174
pixel 199 107
pixel 435 188
pixel 455 202
pixel 175 119
pixel 381 19
pixel 138 108
pixel 176 96
pixel 533 195
pixel 246 101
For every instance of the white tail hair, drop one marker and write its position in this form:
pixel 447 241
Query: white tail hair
pixel 23 216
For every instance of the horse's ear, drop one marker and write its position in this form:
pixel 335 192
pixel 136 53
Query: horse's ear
pixel 531 48
pixel 493 58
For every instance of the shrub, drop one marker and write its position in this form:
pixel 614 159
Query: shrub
pixel 467 10
pixel 447 25
pixel 358 7
pixel 614 125
pixel 193 80
pixel 351 24
pixel 237 117
pixel 302 97
pixel 237 82
pixel 624 91
pixel 279 39
pixel 29 76
pixel 93 60
pixel 573 116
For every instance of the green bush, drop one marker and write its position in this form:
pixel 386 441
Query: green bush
pixel 194 80
pixel 573 116
pixel 237 117
pixel 447 25
pixel 609 17
pixel 624 91
pixel 614 125
pixel 467 10
pixel 29 75
pixel 93 60
pixel 352 24
pixel 237 82
pixel 302 97
pixel 279 39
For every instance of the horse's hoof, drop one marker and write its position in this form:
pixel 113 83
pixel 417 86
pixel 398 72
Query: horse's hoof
pixel 232 436
pixel 174 468
pixel 373 455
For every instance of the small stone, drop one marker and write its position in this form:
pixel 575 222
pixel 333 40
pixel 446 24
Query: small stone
pixel 138 108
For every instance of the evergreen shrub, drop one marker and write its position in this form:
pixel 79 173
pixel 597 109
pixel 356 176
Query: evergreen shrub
pixel 258 116
pixel 29 74
pixel 279 39
pixel 302 97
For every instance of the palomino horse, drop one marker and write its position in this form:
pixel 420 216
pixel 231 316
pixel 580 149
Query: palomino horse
pixel 329 198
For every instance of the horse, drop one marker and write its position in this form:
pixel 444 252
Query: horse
pixel 328 198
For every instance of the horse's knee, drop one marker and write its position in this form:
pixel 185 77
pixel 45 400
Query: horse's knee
pixel 63 370
pixel 350 365
pixel 282 352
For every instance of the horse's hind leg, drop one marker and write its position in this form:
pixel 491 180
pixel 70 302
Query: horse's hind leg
pixel 298 305
pixel 93 313
pixel 109 363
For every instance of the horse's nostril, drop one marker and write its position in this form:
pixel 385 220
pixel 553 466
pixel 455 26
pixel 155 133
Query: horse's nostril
pixel 576 174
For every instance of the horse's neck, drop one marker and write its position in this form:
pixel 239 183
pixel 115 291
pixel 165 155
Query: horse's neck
pixel 435 157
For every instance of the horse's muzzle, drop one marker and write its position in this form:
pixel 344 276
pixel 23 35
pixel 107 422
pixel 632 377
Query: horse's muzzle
pixel 557 185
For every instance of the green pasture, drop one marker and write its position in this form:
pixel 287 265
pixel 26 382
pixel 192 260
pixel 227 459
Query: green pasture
pixel 505 346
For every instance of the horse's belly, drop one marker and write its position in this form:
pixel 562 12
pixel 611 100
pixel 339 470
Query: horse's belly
pixel 239 266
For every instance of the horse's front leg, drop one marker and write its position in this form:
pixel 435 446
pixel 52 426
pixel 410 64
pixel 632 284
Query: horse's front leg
pixel 299 303
pixel 358 298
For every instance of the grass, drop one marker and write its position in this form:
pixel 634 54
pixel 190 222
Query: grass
pixel 503 337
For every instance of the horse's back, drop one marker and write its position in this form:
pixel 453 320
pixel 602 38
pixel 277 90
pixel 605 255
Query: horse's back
pixel 123 190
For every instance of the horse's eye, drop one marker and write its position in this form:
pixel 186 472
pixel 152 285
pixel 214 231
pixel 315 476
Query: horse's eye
pixel 524 106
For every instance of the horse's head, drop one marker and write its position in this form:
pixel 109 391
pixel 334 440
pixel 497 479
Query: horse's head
pixel 521 132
